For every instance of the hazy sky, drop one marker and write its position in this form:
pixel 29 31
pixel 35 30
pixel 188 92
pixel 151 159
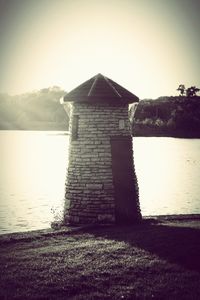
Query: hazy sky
pixel 148 46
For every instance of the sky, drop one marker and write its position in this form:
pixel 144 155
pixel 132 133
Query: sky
pixel 147 46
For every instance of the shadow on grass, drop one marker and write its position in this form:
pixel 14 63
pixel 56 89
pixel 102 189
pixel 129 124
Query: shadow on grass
pixel 178 245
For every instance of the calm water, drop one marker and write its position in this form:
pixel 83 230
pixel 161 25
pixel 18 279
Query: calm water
pixel 33 170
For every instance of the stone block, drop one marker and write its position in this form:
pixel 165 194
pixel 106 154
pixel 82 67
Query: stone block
pixel 106 218
pixel 105 206
pixel 73 219
pixel 94 186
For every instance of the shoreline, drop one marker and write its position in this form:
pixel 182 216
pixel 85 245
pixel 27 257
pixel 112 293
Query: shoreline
pixel 184 220
pixel 144 133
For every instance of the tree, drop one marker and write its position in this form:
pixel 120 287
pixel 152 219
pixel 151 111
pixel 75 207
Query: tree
pixel 192 91
pixel 181 89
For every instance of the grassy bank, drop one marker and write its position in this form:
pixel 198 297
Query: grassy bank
pixel 158 260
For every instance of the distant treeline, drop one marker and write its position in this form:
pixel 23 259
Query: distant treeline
pixel 167 116
pixel 39 110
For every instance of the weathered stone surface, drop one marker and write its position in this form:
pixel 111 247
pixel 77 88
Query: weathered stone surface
pixel 89 185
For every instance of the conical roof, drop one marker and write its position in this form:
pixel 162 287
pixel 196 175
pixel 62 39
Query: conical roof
pixel 100 89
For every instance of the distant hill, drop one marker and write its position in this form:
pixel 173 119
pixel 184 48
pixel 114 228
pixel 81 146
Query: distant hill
pixel 167 116
pixel 38 110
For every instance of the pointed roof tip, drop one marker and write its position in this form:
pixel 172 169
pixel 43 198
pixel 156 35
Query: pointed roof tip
pixel 100 89
pixel 99 75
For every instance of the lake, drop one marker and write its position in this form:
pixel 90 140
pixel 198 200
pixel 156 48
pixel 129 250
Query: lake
pixel 33 171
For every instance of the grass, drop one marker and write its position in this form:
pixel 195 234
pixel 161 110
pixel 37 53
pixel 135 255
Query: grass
pixel 148 261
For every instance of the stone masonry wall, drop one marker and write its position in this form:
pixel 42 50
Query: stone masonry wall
pixel 89 186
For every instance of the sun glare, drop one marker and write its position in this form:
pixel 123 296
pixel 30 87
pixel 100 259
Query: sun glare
pixel 132 42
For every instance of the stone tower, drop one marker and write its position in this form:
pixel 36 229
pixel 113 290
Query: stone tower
pixel 101 185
